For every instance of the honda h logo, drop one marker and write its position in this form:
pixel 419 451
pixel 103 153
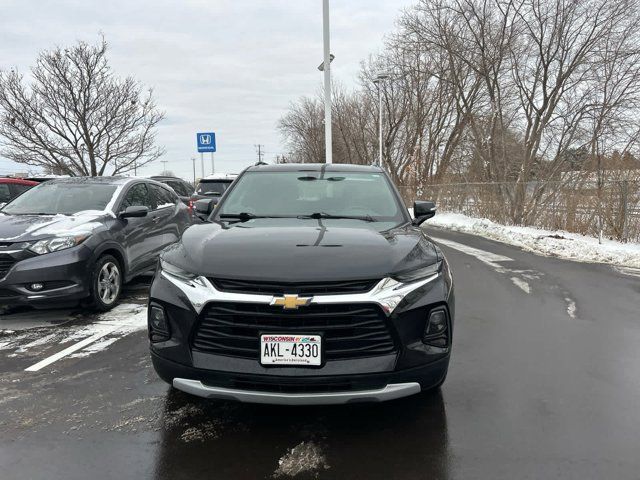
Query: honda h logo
pixel 206 141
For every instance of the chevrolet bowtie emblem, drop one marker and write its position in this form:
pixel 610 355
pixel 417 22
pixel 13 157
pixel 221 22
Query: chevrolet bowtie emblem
pixel 291 302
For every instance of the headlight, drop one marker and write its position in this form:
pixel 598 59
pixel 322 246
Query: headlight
pixel 180 274
pixel 54 244
pixel 418 274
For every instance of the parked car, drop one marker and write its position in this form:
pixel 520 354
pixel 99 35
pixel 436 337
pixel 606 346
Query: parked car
pixel 10 188
pixel 310 284
pixel 81 238
pixel 46 177
pixel 212 186
pixel 183 189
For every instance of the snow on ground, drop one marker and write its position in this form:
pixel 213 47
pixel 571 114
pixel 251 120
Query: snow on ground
pixel 82 339
pixel 571 246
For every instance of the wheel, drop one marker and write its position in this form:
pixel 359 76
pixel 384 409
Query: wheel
pixel 106 283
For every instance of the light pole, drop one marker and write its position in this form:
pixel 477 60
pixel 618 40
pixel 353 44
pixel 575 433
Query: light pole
pixel 378 81
pixel 327 82
pixel 193 159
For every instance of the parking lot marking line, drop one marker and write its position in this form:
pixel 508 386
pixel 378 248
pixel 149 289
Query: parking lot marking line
pixel 122 320
pixel 485 257
pixel 69 350
pixel 521 284
pixel 632 271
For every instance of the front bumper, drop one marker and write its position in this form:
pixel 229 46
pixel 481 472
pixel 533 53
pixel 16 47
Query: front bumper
pixel 65 275
pixel 282 389
pixel 412 367
pixel 388 392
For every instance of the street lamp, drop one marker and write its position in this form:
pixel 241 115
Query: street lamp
pixel 327 82
pixel 380 78
pixel 321 66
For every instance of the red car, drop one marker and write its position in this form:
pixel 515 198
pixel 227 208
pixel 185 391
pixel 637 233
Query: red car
pixel 10 188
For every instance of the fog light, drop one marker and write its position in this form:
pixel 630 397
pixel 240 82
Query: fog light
pixel 158 326
pixel 436 331
pixel 36 287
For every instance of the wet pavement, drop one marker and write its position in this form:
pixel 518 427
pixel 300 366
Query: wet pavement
pixel 544 383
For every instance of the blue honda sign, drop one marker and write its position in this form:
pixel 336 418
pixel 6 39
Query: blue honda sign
pixel 206 142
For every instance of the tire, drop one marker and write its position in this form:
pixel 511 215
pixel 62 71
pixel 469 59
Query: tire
pixel 106 283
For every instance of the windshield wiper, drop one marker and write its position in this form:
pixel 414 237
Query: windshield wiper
pixel 244 216
pixel 38 213
pixel 318 215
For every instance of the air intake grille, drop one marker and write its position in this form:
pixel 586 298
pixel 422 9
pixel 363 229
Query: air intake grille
pixel 6 262
pixel 348 330
pixel 305 289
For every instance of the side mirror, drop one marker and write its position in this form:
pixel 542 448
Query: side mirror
pixel 204 207
pixel 2 204
pixel 136 211
pixel 422 211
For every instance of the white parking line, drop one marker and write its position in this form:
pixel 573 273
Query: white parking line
pixel 485 257
pixel 121 321
pixel 493 260
pixel 633 271
pixel 571 307
pixel 73 348
pixel 521 284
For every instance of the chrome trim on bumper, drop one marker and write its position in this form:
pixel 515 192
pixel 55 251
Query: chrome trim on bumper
pixel 390 392
pixel 387 293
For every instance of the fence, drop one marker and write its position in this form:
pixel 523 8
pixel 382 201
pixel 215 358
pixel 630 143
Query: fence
pixel 573 206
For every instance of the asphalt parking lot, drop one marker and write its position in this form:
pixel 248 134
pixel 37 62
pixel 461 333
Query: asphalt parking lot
pixel 543 384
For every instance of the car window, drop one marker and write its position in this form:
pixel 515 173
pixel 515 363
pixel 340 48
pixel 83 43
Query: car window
pixel 5 193
pixel 179 187
pixel 367 194
pixel 66 198
pixel 138 196
pixel 19 189
pixel 163 196
pixel 187 188
pixel 212 187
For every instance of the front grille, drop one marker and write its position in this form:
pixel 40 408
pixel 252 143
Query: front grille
pixel 6 262
pixel 280 288
pixel 348 330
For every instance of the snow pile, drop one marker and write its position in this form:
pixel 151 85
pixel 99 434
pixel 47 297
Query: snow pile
pixel 306 457
pixel 559 243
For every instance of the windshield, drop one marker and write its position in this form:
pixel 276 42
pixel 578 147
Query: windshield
pixel 61 198
pixel 363 196
pixel 212 187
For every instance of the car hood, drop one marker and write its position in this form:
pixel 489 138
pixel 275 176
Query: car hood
pixel 21 228
pixel 296 250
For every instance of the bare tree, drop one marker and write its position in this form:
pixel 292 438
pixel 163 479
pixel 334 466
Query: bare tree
pixel 77 117
pixel 303 129
pixel 522 97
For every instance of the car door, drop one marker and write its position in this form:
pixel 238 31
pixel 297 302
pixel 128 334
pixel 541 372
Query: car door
pixel 138 233
pixel 171 213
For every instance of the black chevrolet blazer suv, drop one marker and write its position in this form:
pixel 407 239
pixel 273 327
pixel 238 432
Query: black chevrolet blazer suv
pixel 309 284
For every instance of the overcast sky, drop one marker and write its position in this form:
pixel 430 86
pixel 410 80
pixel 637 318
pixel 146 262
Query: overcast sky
pixel 229 66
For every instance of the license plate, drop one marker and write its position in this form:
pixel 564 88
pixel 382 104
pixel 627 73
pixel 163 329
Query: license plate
pixel 285 349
